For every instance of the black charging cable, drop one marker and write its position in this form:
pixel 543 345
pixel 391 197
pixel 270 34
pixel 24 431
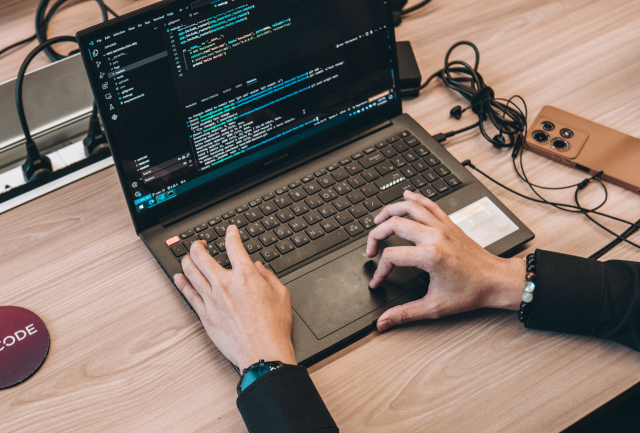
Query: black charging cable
pixel 95 142
pixel 574 208
pixel 511 120
pixel 578 208
pixel 586 214
pixel 399 9
pixel 36 165
pixel 617 241
pixel 43 19
pixel 17 44
pixel 415 7
pixel 458 75
pixel 42 23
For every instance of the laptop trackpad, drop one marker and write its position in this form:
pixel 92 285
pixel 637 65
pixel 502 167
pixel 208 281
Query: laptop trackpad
pixel 337 293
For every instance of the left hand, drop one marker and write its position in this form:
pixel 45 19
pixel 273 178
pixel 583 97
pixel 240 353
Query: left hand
pixel 246 311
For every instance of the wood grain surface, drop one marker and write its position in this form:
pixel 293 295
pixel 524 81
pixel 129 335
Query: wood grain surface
pixel 127 353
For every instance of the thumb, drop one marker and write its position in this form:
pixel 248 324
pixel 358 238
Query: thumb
pixel 268 275
pixel 414 310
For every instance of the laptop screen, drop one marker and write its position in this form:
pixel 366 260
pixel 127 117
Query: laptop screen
pixel 192 90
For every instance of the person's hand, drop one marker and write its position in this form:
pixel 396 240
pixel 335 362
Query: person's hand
pixel 246 311
pixel 463 275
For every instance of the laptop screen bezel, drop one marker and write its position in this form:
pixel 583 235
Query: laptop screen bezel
pixel 323 139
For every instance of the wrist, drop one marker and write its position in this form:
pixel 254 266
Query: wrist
pixel 505 289
pixel 283 353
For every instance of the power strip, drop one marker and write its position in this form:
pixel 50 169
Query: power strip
pixel 61 159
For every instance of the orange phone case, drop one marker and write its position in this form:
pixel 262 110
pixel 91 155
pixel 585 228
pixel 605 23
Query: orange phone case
pixel 589 147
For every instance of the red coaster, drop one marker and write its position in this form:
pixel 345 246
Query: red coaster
pixel 24 345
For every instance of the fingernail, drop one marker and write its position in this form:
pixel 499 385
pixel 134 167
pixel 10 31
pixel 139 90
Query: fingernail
pixel 383 325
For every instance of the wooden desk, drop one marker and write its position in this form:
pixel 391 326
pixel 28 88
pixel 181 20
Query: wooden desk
pixel 127 353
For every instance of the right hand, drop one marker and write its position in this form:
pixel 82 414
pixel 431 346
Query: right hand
pixel 463 275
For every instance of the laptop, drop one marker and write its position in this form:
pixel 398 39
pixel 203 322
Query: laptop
pixel 282 117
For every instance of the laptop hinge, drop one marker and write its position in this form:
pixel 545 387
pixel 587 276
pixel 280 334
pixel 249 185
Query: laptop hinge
pixel 167 220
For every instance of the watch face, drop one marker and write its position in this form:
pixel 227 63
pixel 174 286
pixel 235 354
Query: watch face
pixel 255 371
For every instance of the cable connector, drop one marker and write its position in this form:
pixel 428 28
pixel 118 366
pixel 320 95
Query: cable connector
pixel 95 141
pixel 36 166
pixel 467 163
pixel 440 137
pixel 585 182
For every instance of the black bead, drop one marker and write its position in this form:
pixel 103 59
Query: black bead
pixel 522 318
pixel 531 257
pixel 524 306
pixel 531 268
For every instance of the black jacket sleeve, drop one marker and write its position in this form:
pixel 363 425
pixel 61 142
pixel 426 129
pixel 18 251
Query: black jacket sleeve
pixel 285 401
pixel 587 297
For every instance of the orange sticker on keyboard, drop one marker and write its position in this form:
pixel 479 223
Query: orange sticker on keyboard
pixel 173 240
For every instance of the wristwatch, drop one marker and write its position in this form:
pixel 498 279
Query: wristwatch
pixel 254 371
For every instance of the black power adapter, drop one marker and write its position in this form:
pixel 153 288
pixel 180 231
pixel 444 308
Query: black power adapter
pixel 410 78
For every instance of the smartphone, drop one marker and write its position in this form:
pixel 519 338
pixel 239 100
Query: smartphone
pixel 587 146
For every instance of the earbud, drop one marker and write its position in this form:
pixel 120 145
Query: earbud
pixel 498 141
pixel 456 112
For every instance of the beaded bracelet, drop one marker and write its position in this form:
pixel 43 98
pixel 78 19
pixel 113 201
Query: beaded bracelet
pixel 529 287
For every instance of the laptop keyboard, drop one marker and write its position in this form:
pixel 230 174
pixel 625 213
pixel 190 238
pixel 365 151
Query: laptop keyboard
pixel 303 219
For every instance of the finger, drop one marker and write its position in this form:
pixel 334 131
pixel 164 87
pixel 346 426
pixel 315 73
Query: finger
pixel 391 257
pixel 414 310
pixel 271 278
pixel 193 297
pixel 409 230
pixel 428 204
pixel 268 275
pixel 207 265
pixel 238 256
pixel 193 273
pixel 415 210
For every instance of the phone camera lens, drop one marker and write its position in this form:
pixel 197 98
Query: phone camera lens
pixel 540 136
pixel 548 126
pixel 560 144
pixel 566 133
